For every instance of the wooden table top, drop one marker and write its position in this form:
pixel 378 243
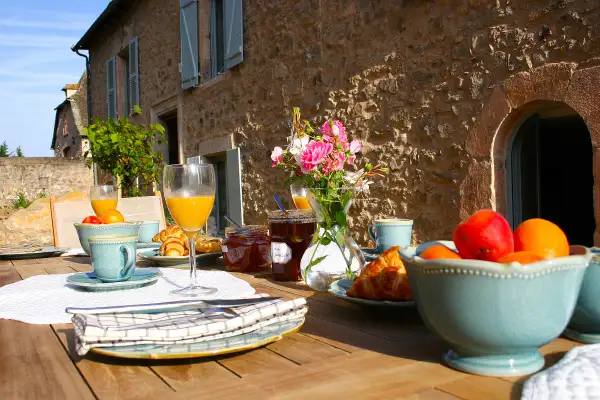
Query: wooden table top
pixel 342 351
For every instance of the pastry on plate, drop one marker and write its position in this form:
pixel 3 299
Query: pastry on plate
pixel 208 244
pixel 173 247
pixel 385 278
pixel 169 232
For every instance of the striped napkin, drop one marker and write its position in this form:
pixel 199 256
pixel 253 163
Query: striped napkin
pixel 180 327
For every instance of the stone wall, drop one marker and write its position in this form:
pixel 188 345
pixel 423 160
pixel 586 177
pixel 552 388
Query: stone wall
pixel 67 135
pixel 32 176
pixel 410 78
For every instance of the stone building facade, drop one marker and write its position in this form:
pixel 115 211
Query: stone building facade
pixel 68 138
pixel 438 90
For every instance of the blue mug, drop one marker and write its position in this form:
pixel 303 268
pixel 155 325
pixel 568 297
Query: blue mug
pixel 113 256
pixel 388 233
pixel 148 230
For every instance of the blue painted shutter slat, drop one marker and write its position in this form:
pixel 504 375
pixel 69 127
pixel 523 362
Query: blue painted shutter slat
pixel 188 26
pixel 134 80
pixel 233 27
pixel 235 206
pixel 111 87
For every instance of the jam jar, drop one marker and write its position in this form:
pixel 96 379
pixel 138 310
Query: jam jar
pixel 247 249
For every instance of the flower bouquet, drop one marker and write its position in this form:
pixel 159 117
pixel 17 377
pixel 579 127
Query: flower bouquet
pixel 316 160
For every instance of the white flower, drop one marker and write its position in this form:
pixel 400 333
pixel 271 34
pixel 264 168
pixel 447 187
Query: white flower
pixel 335 130
pixel 352 177
pixel 363 186
pixel 297 146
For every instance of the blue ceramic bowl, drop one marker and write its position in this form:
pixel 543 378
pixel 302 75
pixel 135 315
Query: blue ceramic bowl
pixel 585 323
pixel 493 316
pixel 84 231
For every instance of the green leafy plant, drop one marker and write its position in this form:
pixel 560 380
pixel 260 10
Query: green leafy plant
pixel 4 150
pixel 127 151
pixel 21 201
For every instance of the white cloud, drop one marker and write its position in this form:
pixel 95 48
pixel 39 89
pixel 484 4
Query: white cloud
pixel 75 25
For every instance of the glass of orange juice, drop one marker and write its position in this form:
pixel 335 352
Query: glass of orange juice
pixel 103 197
pixel 299 197
pixel 190 194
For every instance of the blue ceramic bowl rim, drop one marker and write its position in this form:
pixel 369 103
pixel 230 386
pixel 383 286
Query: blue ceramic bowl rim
pixel 579 260
pixel 113 238
pixel 79 225
pixel 150 221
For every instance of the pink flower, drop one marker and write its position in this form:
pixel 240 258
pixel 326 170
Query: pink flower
pixel 314 154
pixel 334 163
pixel 333 128
pixel 351 160
pixel 355 146
pixel 277 156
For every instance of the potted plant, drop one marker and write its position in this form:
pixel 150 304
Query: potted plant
pixel 126 151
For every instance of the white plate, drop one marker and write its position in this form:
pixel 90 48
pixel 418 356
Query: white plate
pixel 340 287
pixel 169 261
pixel 45 252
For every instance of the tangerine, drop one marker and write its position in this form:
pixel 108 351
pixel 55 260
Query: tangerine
pixel 523 257
pixel 112 217
pixel 542 237
pixel 438 251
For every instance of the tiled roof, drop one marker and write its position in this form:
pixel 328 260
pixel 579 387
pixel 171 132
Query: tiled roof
pixel 113 10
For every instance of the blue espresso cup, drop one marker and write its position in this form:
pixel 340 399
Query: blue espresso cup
pixel 148 230
pixel 113 256
pixel 388 233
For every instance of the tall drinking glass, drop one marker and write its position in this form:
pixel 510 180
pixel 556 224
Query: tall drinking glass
pixel 190 194
pixel 299 197
pixel 103 197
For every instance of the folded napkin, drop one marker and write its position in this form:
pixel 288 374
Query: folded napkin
pixel 180 327
pixel 576 376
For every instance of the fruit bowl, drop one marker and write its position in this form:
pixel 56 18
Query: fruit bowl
pixel 585 323
pixel 494 316
pixel 84 231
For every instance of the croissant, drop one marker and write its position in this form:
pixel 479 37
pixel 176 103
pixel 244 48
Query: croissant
pixel 172 247
pixel 207 244
pixel 172 231
pixel 383 279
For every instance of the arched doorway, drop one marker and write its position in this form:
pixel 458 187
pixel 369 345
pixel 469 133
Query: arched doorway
pixel 549 169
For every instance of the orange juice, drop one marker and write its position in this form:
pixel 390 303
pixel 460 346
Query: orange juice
pixel 101 205
pixel 190 213
pixel 301 203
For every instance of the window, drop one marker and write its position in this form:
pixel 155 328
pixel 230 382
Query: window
pixel 206 53
pixel 67 152
pixel 122 81
pixel 219 210
pixel 65 131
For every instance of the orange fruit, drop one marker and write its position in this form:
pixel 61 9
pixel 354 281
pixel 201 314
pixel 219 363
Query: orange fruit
pixel 542 237
pixel 523 257
pixel 438 251
pixel 112 217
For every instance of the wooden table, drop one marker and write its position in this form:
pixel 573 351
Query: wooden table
pixel 341 352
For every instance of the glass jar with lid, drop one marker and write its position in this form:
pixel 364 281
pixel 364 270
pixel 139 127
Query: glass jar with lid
pixel 247 249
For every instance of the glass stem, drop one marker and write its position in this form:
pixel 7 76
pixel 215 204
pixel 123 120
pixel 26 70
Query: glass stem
pixel 192 250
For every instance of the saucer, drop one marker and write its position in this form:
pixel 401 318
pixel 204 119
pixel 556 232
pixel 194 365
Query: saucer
pixel 88 281
pixel 150 245
pixel 369 253
pixel 340 287
pixel 171 261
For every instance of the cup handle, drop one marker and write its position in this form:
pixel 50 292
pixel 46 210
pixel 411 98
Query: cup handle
pixel 129 260
pixel 371 230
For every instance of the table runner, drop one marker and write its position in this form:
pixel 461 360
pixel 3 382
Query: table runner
pixel 42 299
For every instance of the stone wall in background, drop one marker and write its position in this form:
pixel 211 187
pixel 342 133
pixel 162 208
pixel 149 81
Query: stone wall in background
pixel 409 78
pixel 33 176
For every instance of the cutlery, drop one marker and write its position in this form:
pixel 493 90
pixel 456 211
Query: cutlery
pixel 169 305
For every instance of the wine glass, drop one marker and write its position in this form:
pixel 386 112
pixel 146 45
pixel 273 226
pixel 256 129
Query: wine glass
pixel 299 197
pixel 190 194
pixel 103 197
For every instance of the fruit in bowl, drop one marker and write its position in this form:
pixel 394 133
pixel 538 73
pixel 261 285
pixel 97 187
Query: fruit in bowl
pixel 90 226
pixel 499 302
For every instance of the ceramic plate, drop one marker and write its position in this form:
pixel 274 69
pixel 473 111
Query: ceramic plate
pixel 169 261
pixel 88 281
pixel 14 253
pixel 340 287
pixel 151 245
pixel 248 341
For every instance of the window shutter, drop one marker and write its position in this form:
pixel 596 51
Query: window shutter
pixel 188 26
pixel 235 206
pixel 233 27
pixel 111 87
pixel 134 82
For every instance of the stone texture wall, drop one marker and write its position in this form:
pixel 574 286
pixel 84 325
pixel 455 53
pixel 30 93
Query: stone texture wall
pixel 72 139
pixel 32 176
pixel 410 78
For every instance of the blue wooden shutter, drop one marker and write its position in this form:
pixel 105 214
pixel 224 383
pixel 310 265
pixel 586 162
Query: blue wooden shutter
pixel 134 82
pixel 235 206
pixel 111 87
pixel 233 35
pixel 188 26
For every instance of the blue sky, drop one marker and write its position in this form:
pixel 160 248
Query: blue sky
pixel 36 61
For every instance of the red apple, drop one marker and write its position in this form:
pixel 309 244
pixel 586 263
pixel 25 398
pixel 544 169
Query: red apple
pixel 486 235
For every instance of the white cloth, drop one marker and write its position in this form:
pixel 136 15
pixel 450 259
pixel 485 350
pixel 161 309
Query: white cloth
pixel 78 251
pixel 575 377
pixel 181 327
pixel 42 299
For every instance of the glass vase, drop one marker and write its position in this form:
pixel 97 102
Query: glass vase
pixel 333 254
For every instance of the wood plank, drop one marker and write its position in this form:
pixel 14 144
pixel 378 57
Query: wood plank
pixel 476 387
pixel 194 374
pixel 111 378
pixel 81 267
pixel 24 262
pixel 302 349
pixel 256 362
pixel 431 394
pixel 27 271
pixel 58 269
pixel 4 263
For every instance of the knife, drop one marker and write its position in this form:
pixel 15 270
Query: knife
pixel 170 305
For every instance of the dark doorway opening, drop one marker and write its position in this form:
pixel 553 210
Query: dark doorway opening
pixel 551 172
pixel 171 155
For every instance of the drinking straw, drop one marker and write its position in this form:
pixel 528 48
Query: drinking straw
pixel 279 203
pixel 232 222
